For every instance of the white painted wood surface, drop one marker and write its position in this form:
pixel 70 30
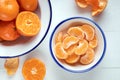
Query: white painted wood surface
pixel 108 69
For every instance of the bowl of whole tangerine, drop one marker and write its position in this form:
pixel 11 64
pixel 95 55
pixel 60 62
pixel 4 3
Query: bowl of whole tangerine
pixel 23 25
pixel 77 44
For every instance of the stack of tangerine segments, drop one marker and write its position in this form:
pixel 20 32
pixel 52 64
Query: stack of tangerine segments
pixel 76 45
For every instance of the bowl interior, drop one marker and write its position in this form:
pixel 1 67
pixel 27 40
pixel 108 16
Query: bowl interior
pixel 99 51
pixel 24 44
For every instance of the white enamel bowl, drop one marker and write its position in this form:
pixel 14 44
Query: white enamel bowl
pixel 99 51
pixel 24 46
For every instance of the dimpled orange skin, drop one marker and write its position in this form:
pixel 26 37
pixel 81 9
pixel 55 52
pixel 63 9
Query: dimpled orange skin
pixel 8 10
pixel 1 39
pixel 29 5
pixel 8 31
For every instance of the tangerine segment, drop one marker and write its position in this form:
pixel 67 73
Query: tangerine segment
pixel 58 37
pixel 81 3
pixel 65 35
pixel 70 40
pixel 76 31
pixel 71 49
pixel 34 69
pixel 89 31
pixel 59 51
pixel 82 48
pixel 93 43
pixel 28 23
pixel 8 31
pixel 73 58
pixel 88 57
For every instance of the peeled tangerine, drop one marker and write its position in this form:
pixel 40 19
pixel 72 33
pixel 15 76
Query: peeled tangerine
pixel 97 5
pixel 88 57
pixel 11 65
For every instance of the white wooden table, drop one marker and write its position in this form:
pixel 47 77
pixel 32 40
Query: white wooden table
pixel 108 69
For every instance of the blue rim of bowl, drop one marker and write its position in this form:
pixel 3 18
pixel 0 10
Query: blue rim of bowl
pixel 77 71
pixel 50 8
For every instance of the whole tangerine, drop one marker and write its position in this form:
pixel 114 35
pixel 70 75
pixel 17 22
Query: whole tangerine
pixel 28 5
pixel 8 10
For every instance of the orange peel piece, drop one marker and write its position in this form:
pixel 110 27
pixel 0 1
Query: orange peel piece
pixel 11 65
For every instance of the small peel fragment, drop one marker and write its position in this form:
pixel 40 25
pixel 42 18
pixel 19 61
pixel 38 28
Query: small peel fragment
pixel 11 65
